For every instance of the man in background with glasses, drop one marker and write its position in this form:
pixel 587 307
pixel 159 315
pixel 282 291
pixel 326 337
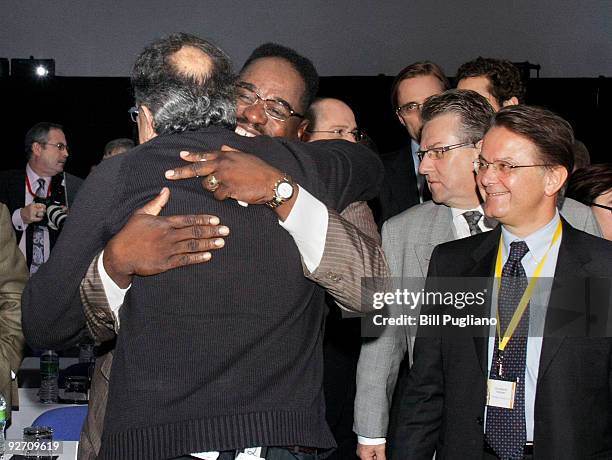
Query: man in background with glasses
pixel 32 193
pixel 404 186
pixel 330 118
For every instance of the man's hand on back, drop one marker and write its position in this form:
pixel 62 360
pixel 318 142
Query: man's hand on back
pixel 236 174
pixel 149 244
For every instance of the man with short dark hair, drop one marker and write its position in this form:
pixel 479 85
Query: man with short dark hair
pixel 404 186
pixel 558 405
pixel 230 388
pixel 43 183
pixel 290 82
pixel 496 79
pixel 500 82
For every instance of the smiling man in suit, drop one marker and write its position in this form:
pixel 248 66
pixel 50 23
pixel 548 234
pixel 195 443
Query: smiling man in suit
pixel 561 404
pixel 454 124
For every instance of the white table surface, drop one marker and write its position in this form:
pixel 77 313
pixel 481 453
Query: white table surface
pixel 30 408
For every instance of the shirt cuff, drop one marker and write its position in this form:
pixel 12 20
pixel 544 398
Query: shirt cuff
pixel 307 225
pixel 370 441
pixel 18 221
pixel 114 294
pixel 13 376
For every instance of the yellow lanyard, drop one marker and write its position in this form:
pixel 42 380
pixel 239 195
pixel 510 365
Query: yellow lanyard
pixel 522 306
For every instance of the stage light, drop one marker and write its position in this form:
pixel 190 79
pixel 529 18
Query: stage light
pixel 42 71
pixel 33 68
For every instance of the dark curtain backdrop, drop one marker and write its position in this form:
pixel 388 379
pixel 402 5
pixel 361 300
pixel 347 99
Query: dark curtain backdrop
pixel 93 111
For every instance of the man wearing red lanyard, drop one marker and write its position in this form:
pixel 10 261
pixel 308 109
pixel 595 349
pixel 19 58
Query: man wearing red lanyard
pixel 38 196
pixel 519 393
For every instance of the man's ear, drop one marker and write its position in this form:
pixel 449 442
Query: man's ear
pixel 36 149
pixel 302 133
pixel 146 125
pixel 512 101
pixel 555 179
pixel 477 150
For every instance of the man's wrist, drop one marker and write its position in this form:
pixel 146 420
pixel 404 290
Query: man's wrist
pixel 284 209
pixel 120 275
pixel 364 441
pixel 17 219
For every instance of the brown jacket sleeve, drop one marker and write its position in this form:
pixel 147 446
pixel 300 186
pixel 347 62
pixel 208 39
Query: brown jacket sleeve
pixel 100 318
pixel 352 251
pixel 13 277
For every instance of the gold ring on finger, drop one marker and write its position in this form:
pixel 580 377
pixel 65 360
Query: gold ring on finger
pixel 213 183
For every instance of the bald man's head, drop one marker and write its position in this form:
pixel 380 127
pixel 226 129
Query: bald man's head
pixel 191 62
pixel 182 82
pixel 330 118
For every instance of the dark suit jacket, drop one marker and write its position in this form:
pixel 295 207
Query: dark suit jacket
pixel 400 188
pixel 442 408
pixel 12 193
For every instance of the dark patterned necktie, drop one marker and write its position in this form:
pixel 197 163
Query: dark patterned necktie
pixel 38 235
pixel 506 429
pixel 472 218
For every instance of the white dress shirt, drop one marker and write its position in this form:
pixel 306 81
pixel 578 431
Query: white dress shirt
pixel 462 229
pixel 538 244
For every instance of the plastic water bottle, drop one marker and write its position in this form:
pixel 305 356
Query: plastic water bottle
pixel 49 374
pixel 2 424
pixel 86 352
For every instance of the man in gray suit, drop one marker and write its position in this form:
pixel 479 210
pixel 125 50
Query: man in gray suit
pixel 454 124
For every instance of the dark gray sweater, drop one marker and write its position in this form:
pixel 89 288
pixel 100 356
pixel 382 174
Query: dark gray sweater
pixel 214 356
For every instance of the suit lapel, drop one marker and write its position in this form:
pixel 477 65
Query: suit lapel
pixel 484 265
pixel 441 231
pixel 570 267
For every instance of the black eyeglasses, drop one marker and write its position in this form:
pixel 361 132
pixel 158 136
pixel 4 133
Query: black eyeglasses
pixel 133 113
pixel 503 168
pixel 58 145
pixel 274 108
pixel 356 133
pixel 437 153
pixel 407 108
pixel 603 206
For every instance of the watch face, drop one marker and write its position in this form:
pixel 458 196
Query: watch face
pixel 285 190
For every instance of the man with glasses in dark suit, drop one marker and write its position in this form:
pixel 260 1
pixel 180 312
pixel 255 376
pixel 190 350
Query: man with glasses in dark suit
pixel 30 193
pixel 538 386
